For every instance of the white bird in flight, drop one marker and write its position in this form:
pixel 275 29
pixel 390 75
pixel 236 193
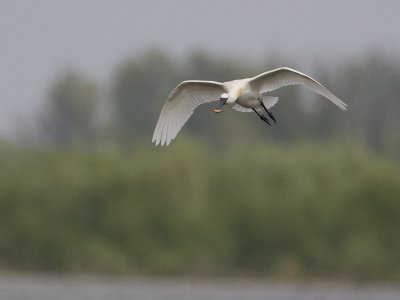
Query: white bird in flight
pixel 246 95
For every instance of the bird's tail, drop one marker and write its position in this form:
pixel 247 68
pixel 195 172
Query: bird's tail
pixel 268 100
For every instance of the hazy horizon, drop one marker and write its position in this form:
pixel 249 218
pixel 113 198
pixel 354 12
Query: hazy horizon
pixel 38 39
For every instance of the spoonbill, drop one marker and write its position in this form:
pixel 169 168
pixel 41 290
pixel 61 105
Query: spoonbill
pixel 245 95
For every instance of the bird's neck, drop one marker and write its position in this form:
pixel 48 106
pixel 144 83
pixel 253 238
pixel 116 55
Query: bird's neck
pixel 234 94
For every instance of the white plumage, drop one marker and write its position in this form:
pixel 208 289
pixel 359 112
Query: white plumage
pixel 245 94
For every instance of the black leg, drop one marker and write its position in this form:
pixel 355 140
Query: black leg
pixel 262 117
pixel 269 114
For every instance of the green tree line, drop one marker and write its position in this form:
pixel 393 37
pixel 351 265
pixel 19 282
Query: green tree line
pixel 309 210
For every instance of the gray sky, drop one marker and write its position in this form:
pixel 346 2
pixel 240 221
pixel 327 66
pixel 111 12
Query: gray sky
pixel 39 38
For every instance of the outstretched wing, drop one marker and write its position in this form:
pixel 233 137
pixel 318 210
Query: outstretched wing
pixel 281 77
pixel 180 106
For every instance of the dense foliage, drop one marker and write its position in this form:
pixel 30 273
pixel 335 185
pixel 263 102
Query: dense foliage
pixel 186 209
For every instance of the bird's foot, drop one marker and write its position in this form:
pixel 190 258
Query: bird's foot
pixel 271 116
pixel 265 119
pixel 268 112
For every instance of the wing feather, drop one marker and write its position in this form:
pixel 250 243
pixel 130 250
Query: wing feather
pixel 180 105
pixel 281 77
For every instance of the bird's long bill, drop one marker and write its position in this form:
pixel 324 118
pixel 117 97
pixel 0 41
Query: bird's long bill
pixel 218 109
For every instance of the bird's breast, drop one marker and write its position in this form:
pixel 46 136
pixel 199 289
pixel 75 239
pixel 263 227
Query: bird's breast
pixel 248 99
pixel 248 102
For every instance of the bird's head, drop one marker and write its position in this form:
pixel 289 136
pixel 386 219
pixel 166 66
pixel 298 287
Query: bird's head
pixel 222 101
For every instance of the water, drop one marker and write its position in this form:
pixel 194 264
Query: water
pixel 14 287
